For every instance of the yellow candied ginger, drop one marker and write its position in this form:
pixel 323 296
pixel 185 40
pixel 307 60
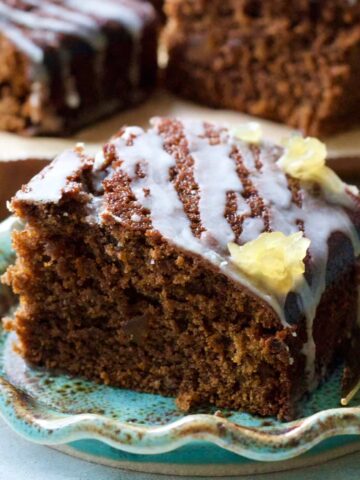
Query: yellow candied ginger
pixel 250 132
pixel 305 159
pixel 274 261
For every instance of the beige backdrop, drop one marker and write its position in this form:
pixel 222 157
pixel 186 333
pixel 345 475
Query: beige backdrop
pixel 13 147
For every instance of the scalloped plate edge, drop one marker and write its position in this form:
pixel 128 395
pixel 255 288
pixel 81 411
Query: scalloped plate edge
pixel 212 470
pixel 22 414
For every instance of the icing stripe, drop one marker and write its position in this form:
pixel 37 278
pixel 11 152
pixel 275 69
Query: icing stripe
pixel 219 168
pixel 61 12
pixel 242 206
pixel 50 184
pixel 34 21
pixel 252 224
pixel 184 180
pixel 166 209
pixel 22 42
pixel 272 185
pixel 215 173
pixel 319 221
pixel 79 19
pixel 111 11
pixel 127 17
pixel 155 192
pixel 80 24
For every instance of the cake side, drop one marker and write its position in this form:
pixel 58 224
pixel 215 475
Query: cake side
pixel 124 286
pixel 67 64
pixel 297 65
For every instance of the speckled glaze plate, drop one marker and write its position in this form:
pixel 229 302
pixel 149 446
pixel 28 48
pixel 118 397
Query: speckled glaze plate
pixel 147 432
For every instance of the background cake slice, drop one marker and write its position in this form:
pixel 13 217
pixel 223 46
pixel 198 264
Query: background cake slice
pixel 67 63
pixel 192 261
pixel 293 62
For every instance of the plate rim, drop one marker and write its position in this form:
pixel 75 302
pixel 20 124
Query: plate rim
pixel 276 444
pixel 217 470
pixel 288 442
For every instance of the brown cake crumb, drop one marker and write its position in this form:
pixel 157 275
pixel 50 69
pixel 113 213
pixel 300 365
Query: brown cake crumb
pixel 125 278
pixel 293 62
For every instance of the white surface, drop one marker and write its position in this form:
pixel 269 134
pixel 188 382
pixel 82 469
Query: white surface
pixel 21 460
pixel 163 104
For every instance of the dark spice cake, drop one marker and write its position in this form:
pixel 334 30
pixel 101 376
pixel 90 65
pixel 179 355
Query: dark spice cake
pixel 189 260
pixel 13 174
pixel 66 63
pixel 293 62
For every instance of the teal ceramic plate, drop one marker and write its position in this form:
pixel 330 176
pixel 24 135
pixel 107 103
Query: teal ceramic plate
pixel 116 426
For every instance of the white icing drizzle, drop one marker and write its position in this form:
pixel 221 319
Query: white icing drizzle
pixel 109 10
pixel 319 224
pixel 163 201
pixel 242 206
pixel 35 21
pixel 16 35
pixel 95 209
pixel 213 162
pixel 73 17
pixel 60 12
pixel 215 173
pixel 244 151
pixel 83 26
pixel 50 184
pixel 74 22
pixel 251 229
pixel 166 210
pixel 124 14
pixel 79 19
pixel 272 186
pixel 319 219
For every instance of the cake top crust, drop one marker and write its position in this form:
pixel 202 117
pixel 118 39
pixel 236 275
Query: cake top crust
pixel 52 34
pixel 201 188
pixel 34 25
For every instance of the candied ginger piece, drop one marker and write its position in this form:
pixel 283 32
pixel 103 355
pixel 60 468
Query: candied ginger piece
pixel 273 260
pixel 305 159
pixel 250 132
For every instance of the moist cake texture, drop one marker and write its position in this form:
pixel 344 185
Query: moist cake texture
pixel 67 63
pixel 293 62
pixel 145 267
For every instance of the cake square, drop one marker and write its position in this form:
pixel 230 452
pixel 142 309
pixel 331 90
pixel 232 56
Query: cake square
pixel 292 62
pixel 67 63
pixel 189 260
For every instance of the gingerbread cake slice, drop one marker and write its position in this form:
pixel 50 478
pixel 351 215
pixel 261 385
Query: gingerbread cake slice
pixel 292 62
pixel 189 260
pixel 67 63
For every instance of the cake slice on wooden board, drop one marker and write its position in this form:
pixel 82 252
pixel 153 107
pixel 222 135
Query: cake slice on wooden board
pixel 67 63
pixel 292 62
pixel 190 260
